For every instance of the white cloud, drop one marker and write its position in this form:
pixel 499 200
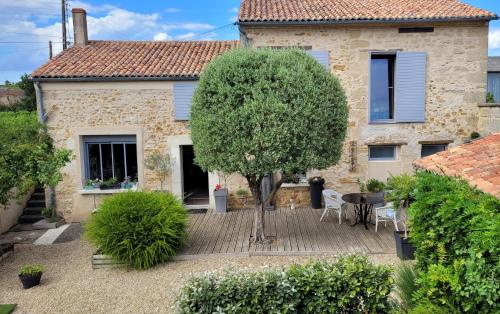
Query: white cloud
pixel 494 38
pixel 186 36
pixel 161 36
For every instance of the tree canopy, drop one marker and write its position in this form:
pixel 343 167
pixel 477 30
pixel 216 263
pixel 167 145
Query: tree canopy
pixel 257 112
pixel 27 155
pixel 261 111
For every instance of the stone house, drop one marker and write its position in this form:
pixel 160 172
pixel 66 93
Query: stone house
pixel 414 73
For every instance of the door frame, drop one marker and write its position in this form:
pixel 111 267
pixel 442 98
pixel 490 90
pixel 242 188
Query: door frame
pixel 175 144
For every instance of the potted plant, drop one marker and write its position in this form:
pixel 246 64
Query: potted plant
pixel 401 193
pixel 220 195
pixel 161 165
pixel 111 183
pixel 30 275
pixel 128 183
pixel 242 195
pixel 316 186
pixel 92 184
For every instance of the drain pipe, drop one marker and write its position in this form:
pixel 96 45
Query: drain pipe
pixel 42 117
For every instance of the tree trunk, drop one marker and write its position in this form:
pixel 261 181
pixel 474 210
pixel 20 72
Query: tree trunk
pixel 258 232
pixel 51 202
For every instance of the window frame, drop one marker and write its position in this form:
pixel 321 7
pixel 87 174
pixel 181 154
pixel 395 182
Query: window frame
pixel 392 57
pixel 431 144
pixel 107 140
pixel 394 148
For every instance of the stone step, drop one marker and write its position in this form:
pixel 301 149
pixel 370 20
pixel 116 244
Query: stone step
pixel 33 211
pixel 38 196
pixel 30 218
pixel 35 203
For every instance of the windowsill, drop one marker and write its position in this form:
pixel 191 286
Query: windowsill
pixel 99 191
pixel 490 104
pixel 294 185
pixel 382 160
pixel 388 121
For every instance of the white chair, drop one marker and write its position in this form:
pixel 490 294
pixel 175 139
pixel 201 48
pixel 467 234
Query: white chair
pixel 384 214
pixel 333 201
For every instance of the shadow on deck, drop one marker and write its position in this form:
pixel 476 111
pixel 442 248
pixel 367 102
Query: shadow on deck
pixel 292 232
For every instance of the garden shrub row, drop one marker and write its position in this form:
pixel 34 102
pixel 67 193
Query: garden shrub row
pixel 456 229
pixel 142 229
pixel 350 285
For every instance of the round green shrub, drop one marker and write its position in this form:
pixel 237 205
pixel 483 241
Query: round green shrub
pixel 142 229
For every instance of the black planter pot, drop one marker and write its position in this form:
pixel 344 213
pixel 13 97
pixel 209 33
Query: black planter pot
pixel 29 281
pixel 110 187
pixel 404 248
pixel 316 188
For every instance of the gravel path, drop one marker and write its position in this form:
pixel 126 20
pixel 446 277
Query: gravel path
pixel 69 285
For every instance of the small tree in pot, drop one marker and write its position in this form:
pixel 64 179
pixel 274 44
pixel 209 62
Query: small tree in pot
pixel 401 193
pixel 160 164
pixel 257 112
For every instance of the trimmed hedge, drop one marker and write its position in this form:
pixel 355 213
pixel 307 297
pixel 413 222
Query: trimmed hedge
pixel 142 229
pixel 456 229
pixel 351 285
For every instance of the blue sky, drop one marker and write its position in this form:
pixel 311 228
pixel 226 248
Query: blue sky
pixel 27 26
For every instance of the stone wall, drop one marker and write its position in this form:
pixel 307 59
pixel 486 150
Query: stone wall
pixel 456 84
pixel 144 109
pixel 489 119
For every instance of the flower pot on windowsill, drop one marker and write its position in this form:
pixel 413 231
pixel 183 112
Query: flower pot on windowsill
pixel 220 200
pixel 29 281
pixel 110 187
pixel 404 248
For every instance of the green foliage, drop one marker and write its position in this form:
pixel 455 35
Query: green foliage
pixel 30 270
pixel 242 192
pixel 351 285
pixel 401 189
pixel 280 109
pixel 28 102
pixel 457 232
pixel 490 98
pixel 47 212
pixel 160 164
pixel 142 229
pixel 27 155
pixel 406 285
pixel 375 186
pixel 475 135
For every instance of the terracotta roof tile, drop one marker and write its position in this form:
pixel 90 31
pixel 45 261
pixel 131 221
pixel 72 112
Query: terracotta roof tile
pixel 477 162
pixel 357 10
pixel 133 59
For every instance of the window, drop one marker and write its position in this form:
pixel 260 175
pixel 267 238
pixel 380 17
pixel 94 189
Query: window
pixel 406 30
pixel 110 156
pixel 382 87
pixel 382 152
pixel 431 149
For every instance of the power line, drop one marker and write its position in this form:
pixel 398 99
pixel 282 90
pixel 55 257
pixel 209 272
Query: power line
pixel 209 31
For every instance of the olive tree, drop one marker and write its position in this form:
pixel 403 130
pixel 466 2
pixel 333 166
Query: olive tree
pixel 264 111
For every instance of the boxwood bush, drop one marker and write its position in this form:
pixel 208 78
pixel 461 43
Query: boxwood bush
pixel 457 232
pixel 142 229
pixel 350 285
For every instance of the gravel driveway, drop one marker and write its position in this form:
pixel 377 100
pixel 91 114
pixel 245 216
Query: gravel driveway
pixel 69 285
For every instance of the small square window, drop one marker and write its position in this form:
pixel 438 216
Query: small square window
pixel 382 152
pixel 431 149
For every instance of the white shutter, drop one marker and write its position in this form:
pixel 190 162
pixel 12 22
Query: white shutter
pixel 183 95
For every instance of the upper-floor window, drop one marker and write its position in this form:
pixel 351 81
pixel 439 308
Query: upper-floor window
pixel 109 157
pixel 431 149
pixel 397 87
pixel 382 87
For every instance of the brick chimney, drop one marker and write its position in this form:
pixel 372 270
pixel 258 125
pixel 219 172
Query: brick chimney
pixel 80 26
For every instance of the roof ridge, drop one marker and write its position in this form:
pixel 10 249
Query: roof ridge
pixel 164 41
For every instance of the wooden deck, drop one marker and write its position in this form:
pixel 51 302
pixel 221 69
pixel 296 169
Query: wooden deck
pixel 293 232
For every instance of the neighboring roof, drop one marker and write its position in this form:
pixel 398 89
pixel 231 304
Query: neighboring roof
pixel 133 59
pixel 478 162
pixel 304 11
pixel 493 64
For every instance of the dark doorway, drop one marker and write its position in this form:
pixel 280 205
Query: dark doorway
pixel 195 180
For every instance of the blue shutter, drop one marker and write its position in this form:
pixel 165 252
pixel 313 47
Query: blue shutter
pixel 410 87
pixel 183 94
pixel 494 85
pixel 323 57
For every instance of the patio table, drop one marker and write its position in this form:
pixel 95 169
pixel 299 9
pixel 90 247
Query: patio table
pixel 363 205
